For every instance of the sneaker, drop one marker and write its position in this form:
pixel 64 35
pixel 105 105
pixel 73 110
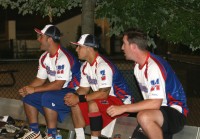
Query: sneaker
pixel 31 135
pixel 11 128
pixel 46 136
pixel 7 119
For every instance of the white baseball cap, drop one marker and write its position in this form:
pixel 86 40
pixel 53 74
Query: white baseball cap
pixel 87 40
pixel 50 30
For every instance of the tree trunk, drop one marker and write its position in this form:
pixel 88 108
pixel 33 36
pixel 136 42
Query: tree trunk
pixel 87 17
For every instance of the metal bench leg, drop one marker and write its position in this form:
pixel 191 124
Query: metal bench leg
pixel 71 134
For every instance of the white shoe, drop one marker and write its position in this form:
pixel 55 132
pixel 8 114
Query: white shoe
pixel 31 135
pixel 48 137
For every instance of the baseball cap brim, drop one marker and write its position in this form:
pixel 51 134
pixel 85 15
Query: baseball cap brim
pixel 75 43
pixel 38 31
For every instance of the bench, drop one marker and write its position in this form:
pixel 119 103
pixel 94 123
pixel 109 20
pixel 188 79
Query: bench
pixel 123 126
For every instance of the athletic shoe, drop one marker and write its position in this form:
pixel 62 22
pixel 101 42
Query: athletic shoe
pixel 3 131
pixel 11 128
pixel 46 136
pixel 31 135
pixel 7 119
pixel 138 133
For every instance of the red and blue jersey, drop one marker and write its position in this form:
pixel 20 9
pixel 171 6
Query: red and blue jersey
pixel 61 66
pixel 157 80
pixel 101 74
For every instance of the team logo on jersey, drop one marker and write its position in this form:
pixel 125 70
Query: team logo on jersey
pixel 103 75
pixel 104 101
pixel 53 104
pixel 143 88
pixel 60 69
pixel 155 85
pixel 91 81
pixel 50 72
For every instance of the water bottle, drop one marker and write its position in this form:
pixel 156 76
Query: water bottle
pixel 58 135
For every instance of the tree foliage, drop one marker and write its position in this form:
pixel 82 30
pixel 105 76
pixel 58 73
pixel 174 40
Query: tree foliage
pixel 49 8
pixel 176 21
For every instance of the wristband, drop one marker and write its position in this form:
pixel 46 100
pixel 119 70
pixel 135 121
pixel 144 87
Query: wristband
pixel 82 98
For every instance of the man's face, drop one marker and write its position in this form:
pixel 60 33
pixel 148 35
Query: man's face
pixel 43 39
pixel 126 47
pixel 82 52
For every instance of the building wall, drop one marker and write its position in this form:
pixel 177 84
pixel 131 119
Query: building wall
pixel 105 39
pixel 69 29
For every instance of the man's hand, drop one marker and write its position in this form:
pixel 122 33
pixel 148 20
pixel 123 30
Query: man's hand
pixel 26 90
pixel 71 99
pixel 115 110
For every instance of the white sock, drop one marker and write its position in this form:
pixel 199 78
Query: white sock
pixel 93 137
pixel 79 133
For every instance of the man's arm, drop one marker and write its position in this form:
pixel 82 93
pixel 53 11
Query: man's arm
pixel 55 85
pixel 30 88
pixel 102 93
pixel 72 99
pixel 135 107
pixel 39 85
pixel 37 82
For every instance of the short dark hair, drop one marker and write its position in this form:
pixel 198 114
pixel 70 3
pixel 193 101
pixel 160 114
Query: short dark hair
pixel 136 36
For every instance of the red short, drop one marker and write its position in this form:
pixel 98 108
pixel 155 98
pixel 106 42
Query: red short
pixel 102 104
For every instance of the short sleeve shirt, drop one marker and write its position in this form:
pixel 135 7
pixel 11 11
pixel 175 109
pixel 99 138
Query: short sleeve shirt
pixel 57 67
pixel 157 80
pixel 101 74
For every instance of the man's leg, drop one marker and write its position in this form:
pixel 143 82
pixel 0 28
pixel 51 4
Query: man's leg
pixel 54 109
pixel 32 114
pixel 151 122
pixel 96 121
pixel 174 121
pixel 51 117
pixel 32 106
pixel 78 121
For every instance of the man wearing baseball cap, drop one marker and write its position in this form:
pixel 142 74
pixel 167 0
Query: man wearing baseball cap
pixel 62 70
pixel 106 85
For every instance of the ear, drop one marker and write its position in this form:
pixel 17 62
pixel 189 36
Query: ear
pixel 50 40
pixel 133 46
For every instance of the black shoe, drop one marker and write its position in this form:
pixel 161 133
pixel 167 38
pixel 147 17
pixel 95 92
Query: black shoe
pixel 3 131
pixel 7 119
pixel 21 132
pixel 138 133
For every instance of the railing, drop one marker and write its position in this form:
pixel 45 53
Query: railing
pixel 18 49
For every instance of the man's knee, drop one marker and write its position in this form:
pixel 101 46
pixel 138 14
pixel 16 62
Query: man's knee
pixel 93 106
pixel 143 117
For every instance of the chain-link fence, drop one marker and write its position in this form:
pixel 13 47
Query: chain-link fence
pixel 23 72
pixel 17 73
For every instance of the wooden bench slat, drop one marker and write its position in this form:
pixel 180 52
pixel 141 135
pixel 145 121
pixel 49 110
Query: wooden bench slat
pixel 124 125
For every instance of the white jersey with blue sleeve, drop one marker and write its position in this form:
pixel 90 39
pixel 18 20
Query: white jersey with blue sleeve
pixel 157 80
pixel 101 74
pixel 61 66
